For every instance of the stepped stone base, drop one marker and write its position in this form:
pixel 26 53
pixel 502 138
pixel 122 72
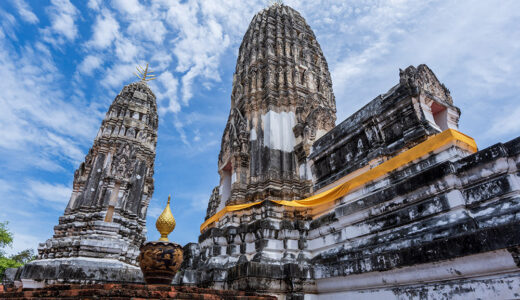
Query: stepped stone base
pixel 39 273
pixel 125 291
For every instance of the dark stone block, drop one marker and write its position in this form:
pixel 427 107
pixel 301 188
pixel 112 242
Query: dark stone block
pixel 487 190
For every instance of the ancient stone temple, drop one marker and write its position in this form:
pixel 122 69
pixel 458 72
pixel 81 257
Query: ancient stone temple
pixel 103 226
pixel 391 203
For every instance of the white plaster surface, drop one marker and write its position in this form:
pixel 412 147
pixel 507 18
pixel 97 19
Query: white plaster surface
pixel 452 119
pixel 278 130
pixel 302 171
pixel 252 135
pixel 225 190
pixel 441 119
pixel 489 263
pixel 494 287
pixel 428 114
pixel 305 171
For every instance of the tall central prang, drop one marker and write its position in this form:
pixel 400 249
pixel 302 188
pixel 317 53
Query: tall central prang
pixel 281 102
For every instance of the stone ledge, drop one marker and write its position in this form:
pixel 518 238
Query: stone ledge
pixel 126 291
pixel 78 270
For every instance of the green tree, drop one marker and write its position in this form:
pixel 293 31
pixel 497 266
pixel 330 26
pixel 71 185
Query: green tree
pixel 6 238
pixel 13 261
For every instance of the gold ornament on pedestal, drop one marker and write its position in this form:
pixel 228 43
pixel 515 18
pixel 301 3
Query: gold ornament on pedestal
pixel 166 222
pixel 160 260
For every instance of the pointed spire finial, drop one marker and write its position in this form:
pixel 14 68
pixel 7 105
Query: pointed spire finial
pixel 166 222
pixel 144 73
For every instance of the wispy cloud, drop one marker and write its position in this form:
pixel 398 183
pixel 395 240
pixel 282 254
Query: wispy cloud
pixel 23 242
pixel 8 23
pixel 105 31
pixel 63 28
pixel 55 193
pixel 168 93
pixel 89 64
pixel 25 12
pixel 508 123
pixel 37 121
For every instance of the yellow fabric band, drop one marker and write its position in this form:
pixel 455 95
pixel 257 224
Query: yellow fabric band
pixel 433 143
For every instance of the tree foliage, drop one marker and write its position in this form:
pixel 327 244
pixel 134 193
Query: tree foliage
pixel 13 261
pixel 6 238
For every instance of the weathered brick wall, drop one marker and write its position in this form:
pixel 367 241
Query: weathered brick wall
pixel 125 291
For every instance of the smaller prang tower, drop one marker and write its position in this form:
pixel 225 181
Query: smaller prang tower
pixel 104 222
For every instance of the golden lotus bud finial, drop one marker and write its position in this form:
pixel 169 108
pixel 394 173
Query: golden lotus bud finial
pixel 166 222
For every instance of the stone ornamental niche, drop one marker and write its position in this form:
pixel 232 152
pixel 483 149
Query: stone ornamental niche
pixel 281 102
pixel 106 214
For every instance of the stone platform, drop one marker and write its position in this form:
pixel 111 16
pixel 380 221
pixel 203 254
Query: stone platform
pixel 125 291
pixel 76 270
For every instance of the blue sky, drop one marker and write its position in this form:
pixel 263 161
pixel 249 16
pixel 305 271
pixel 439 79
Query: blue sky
pixel 63 62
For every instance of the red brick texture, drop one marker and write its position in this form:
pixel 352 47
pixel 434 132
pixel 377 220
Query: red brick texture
pixel 126 291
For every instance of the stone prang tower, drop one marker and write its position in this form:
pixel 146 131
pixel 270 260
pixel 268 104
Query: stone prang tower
pixel 106 215
pixel 281 102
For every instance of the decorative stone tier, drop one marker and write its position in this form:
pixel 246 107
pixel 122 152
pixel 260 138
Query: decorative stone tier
pixel 44 272
pixel 418 107
pixel 126 291
pixel 448 211
pixel 436 210
pixel 261 249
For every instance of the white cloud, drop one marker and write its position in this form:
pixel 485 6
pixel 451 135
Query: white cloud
pixel 200 45
pixel 199 202
pixel 145 23
pixel 196 42
pixel 62 14
pixel 89 64
pixel 8 23
pixel 169 84
pixel 148 29
pixel 126 51
pixel 506 123
pixel 196 136
pixel 161 59
pixel 128 6
pixel 105 31
pixel 22 242
pixel 38 125
pixel 25 11
pixel 154 210
pixel 179 126
pixel 117 74
pixel 30 222
pixel 94 4
pixel 54 193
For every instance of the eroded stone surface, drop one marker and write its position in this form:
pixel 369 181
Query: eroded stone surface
pixel 106 214
pixel 281 102
pixel 127 291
